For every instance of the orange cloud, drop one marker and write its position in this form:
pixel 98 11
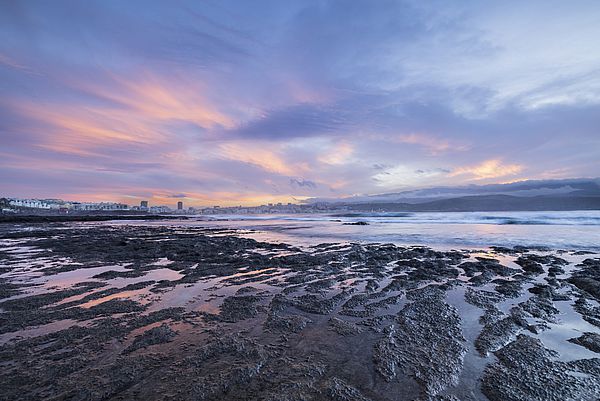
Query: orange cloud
pixel 259 155
pixel 434 145
pixel 251 199
pixel 158 197
pixel 488 169
pixel 135 112
pixel 80 130
pixel 160 99
pixel 338 184
pixel 338 154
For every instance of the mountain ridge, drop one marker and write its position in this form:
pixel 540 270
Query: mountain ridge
pixel 528 188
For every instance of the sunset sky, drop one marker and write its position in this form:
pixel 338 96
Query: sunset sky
pixel 246 102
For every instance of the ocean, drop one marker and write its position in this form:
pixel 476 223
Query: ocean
pixel 573 230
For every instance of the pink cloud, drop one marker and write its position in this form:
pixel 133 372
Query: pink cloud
pixel 493 168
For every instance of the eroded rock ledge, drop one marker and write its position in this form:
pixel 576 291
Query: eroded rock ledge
pixel 168 313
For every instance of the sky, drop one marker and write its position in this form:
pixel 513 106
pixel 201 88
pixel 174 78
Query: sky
pixel 247 102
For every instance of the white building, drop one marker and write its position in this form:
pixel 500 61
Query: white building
pixel 159 209
pixel 31 203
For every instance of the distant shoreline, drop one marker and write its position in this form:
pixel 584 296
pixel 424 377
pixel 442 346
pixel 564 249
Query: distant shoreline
pixel 81 218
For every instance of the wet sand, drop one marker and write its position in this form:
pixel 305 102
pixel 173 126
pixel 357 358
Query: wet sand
pixel 100 312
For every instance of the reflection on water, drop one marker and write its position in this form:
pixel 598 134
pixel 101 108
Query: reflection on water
pixel 135 295
pixel 370 289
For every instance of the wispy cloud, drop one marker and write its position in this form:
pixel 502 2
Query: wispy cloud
pixel 493 168
pixel 337 154
pixel 432 144
pixel 259 155
pixel 243 102
pixel 300 182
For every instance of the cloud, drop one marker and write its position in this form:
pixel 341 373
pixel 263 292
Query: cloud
pixel 493 168
pixel 300 182
pixel 403 176
pixel 297 121
pixel 338 154
pixel 238 99
pixel 434 145
pixel 379 166
pixel 9 62
pixel 432 171
pixel 258 155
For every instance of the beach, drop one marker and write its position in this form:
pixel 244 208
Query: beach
pixel 231 310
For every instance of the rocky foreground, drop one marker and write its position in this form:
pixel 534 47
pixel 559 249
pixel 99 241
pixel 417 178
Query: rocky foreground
pixel 156 313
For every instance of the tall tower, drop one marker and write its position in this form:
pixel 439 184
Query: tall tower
pixel 180 205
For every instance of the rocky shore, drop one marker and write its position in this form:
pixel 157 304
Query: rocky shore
pixel 81 217
pixel 101 312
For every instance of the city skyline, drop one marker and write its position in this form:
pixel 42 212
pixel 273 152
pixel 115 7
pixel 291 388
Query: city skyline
pixel 237 103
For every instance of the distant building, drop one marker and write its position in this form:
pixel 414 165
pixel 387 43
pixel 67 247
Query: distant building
pixel 99 206
pixel 144 204
pixel 160 209
pixel 180 205
pixel 30 203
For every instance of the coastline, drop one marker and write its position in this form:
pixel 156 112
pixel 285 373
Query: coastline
pixel 225 316
pixel 49 218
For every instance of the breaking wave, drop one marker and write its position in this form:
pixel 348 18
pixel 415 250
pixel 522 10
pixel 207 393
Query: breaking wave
pixel 574 218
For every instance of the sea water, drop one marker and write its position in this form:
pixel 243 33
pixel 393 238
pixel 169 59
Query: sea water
pixel 572 230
